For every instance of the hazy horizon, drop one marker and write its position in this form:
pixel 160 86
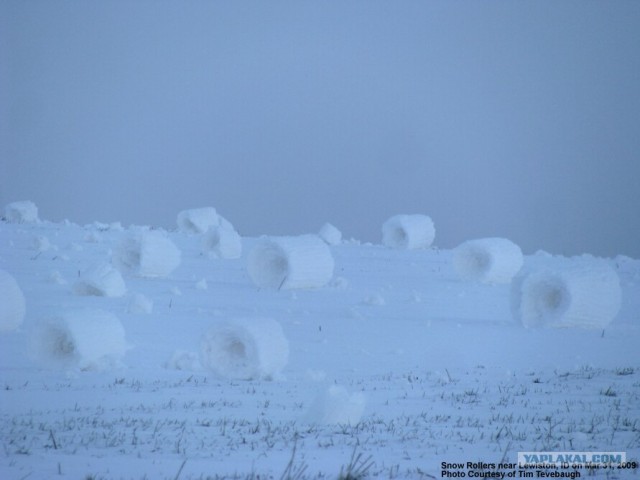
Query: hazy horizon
pixel 511 119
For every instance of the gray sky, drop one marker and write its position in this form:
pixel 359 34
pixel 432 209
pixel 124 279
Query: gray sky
pixel 497 118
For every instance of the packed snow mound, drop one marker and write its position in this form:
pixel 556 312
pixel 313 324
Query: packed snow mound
pixel 12 303
pixel 488 260
pixel 222 241
pixel 408 232
pixel 577 292
pixel 21 212
pixel 245 349
pixel 330 234
pixel 291 262
pixel 101 281
pixel 197 220
pixel 85 339
pixel 147 254
pixel 336 406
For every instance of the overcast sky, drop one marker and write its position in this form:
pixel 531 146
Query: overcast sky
pixel 518 119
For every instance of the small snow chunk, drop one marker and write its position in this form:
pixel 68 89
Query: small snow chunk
pixel 336 406
pixel 222 241
pixel 41 244
pixel 245 349
pixel 85 339
pixel 175 291
pixel 408 232
pixel 21 212
pixel 101 281
pixel 140 304
pixel 56 277
pixel 202 284
pixel 12 303
pixel 340 283
pixel 330 234
pixel 147 254
pixel 374 300
pixel 183 360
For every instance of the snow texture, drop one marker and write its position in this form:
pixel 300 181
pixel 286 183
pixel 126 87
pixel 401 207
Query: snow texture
pixel 336 406
pixel 578 292
pixel 245 349
pixel 147 254
pixel 222 241
pixel 12 303
pixel 101 281
pixel 85 339
pixel 291 262
pixel 183 360
pixel 488 260
pixel 330 234
pixel 21 212
pixel 408 232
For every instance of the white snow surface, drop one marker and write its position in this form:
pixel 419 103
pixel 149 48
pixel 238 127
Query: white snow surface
pixel 488 260
pixel 442 369
pixel 408 231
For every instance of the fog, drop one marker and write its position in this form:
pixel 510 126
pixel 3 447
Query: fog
pixel 515 119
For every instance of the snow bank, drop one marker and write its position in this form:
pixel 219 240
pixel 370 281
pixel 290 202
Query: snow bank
pixel 330 234
pixel 12 303
pixel 488 260
pixel 245 349
pixel 336 406
pixel 102 281
pixel 291 262
pixel 578 292
pixel 199 220
pixel 408 232
pixel 147 254
pixel 21 212
pixel 87 339
pixel 222 241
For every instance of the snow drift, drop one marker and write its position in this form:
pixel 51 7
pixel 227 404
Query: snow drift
pixel 336 406
pixel 86 339
pixel 102 281
pixel 222 241
pixel 12 303
pixel 147 254
pixel 245 349
pixel 408 232
pixel 291 262
pixel 578 292
pixel 21 212
pixel 488 260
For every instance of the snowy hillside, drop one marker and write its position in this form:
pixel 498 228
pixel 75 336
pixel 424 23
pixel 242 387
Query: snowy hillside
pixel 138 353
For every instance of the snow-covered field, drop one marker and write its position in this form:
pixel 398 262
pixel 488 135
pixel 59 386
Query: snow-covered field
pixel 400 362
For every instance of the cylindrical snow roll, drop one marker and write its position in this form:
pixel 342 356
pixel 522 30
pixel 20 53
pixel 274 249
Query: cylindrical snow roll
pixel 408 232
pixel 222 241
pixel 12 303
pixel 197 220
pixel 578 293
pixel 291 262
pixel 87 339
pixel 488 260
pixel 330 234
pixel 21 212
pixel 245 349
pixel 102 281
pixel 336 406
pixel 147 254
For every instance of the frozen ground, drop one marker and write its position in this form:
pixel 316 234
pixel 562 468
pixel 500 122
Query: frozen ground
pixel 442 370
